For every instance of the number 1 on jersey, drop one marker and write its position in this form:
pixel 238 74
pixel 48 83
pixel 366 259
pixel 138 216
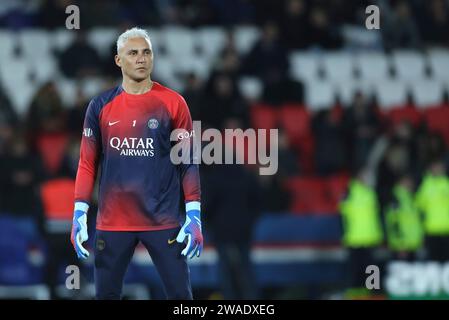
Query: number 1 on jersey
pixel 134 123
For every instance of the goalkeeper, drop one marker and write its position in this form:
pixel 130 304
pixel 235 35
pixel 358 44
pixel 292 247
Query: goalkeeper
pixel 127 132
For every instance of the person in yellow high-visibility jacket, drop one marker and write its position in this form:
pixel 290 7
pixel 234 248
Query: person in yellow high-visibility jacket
pixel 433 200
pixel 362 228
pixel 403 223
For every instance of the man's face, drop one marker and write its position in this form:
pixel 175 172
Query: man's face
pixel 135 59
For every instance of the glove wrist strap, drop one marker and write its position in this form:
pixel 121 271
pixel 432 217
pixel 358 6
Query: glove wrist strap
pixel 193 205
pixel 81 206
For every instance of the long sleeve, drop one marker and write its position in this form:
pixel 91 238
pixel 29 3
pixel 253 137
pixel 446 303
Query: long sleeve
pixel 189 172
pixel 89 154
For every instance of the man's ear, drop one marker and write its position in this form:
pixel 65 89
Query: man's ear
pixel 117 60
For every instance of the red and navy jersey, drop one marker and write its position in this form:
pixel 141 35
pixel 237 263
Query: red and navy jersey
pixel 128 136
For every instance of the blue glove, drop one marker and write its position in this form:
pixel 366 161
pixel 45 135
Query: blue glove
pixel 79 229
pixel 192 230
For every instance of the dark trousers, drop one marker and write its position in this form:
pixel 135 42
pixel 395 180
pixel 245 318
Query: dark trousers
pixel 237 278
pixel 359 259
pixel 60 254
pixel 437 248
pixel 113 253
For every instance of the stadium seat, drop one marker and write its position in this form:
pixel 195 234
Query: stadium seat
pixel 295 119
pixel 61 39
pixel 347 89
pixel 309 196
pixel 35 44
pixel 437 121
pixel 408 64
pixel 427 92
pixel 304 66
pixel 15 73
pixel 251 88
pixel 338 66
pixel 67 89
pixel 245 38
pixel 439 63
pixel 263 116
pixel 21 276
pixel 92 86
pixel 404 113
pixel 8 43
pixel 179 42
pixel 157 42
pixel 210 41
pixel 372 66
pixel 320 94
pixel 57 199
pixel 102 39
pixel 45 70
pixel 390 93
pixel 192 64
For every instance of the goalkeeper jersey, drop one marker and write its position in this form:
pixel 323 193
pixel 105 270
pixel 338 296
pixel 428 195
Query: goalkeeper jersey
pixel 128 136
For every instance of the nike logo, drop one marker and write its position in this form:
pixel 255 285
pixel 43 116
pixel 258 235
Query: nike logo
pixel 112 123
pixel 171 241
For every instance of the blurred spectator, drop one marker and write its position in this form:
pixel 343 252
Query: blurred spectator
pixel 430 146
pixel 287 157
pixel 229 59
pixel 362 229
pixel 46 113
pixel 75 115
pixel 328 134
pixel 80 59
pixel 231 198
pixel 190 13
pixel 275 197
pixel 435 22
pixel 46 127
pixel 294 26
pixel 223 102
pixel 322 32
pixel 52 13
pixel 401 31
pixel 267 54
pixel 361 126
pixel 21 173
pixel 398 158
pixel 140 12
pixel 233 12
pixel 403 223
pixel 433 200
pixel 194 95
pixel 280 89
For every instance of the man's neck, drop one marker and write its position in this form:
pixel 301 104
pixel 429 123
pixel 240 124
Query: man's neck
pixel 134 87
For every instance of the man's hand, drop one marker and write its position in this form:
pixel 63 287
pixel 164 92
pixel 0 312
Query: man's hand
pixel 192 230
pixel 79 229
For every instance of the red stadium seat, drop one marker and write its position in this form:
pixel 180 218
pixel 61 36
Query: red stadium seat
pixel 58 196
pixel 264 116
pixel 295 119
pixel 309 196
pixel 437 119
pixel 405 113
pixel 52 149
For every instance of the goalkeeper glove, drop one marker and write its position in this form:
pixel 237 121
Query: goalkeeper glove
pixel 192 230
pixel 79 229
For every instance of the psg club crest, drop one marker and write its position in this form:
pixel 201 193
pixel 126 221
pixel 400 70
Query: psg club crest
pixel 153 123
